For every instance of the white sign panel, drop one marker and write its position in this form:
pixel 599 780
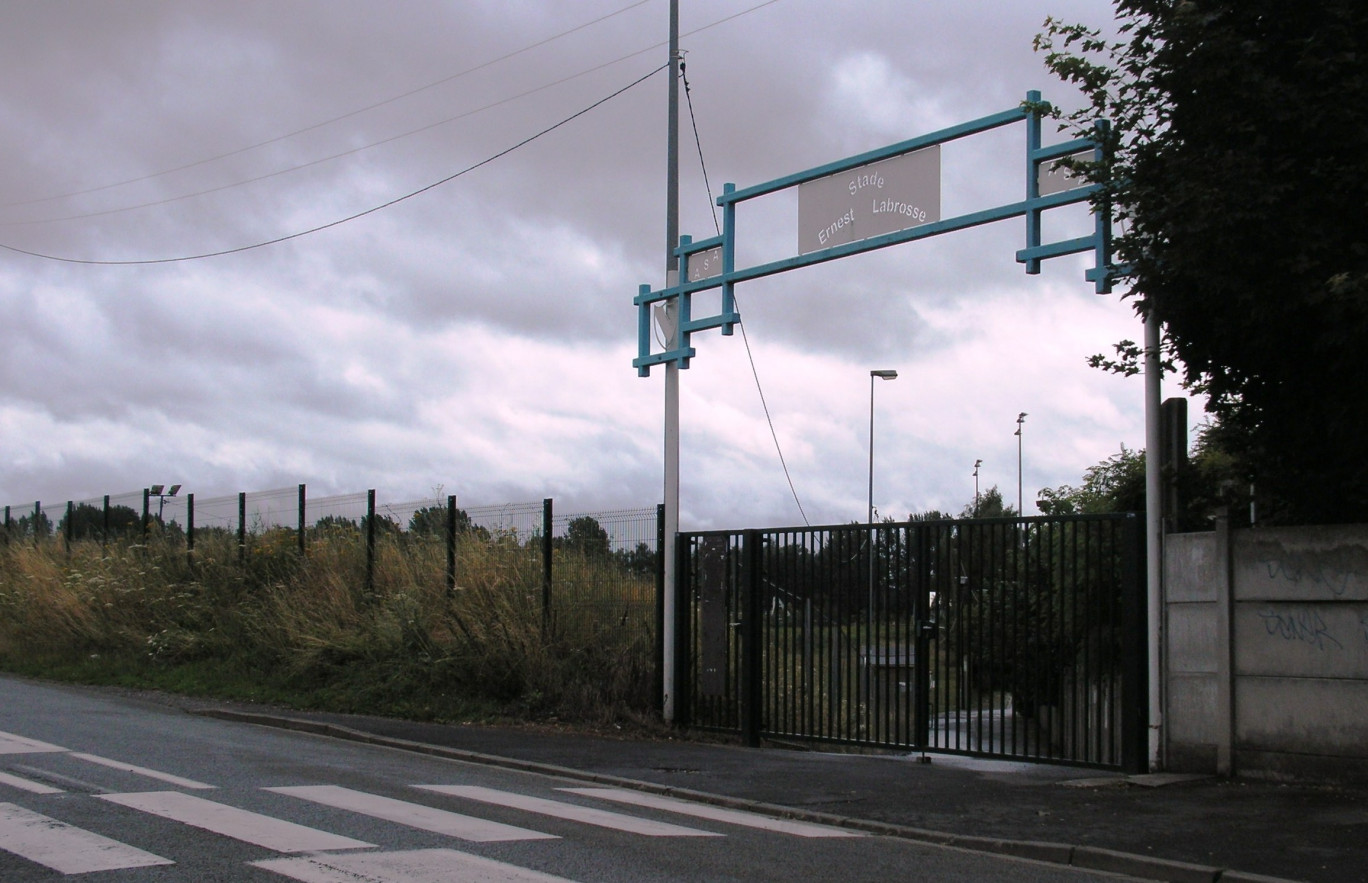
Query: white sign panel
pixel 705 264
pixel 882 197
pixel 1052 177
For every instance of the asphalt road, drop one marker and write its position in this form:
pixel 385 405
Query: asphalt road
pixel 109 787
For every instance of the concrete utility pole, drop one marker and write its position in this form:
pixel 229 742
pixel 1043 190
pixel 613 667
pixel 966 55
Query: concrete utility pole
pixel 667 625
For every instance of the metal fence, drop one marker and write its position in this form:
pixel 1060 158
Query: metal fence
pixel 618 550
pixel 1005 638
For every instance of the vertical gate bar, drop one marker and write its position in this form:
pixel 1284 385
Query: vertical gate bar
pixel 370 541
pixel 657 609
pixel 1134 715
pixel 1083 668
pixel 548 563
pixel 922 673
pixel 685 656
pixel 189 529
pixel 1009 634
pixel 752 696
pixel 450 537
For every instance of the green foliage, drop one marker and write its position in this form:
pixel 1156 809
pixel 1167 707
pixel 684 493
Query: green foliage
pixel 587 537
pixel 989 505
pixel 89 522
pixel 1117 484
pixel 266 622
pixel 431 521
pixel 1239 169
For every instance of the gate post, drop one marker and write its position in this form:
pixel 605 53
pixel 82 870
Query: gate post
pixel 752 693
pixel 685 592
pixel 1134 644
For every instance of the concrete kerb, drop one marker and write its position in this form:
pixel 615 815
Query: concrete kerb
pixel 1085 857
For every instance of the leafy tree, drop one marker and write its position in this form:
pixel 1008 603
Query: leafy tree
pixel 586 536
pixel 1117 484
pixel 88 522
pixel 1239 169
pixel 431 521
pixel 989 505
pixel 640 561
pixel 332 525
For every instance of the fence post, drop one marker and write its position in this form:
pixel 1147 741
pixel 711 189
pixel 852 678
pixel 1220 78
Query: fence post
pixel 370 541
pixel 658 652
pixel 7 525
pixel 37 523
pixel 242 526
pixel 451 545
pixel 682 688
pixel 546 566
pixel 147 514
pixel 302 522
pixel 752 686
pixel 71 515
pixel 189 529
pixel 104 525
pixel 1134 646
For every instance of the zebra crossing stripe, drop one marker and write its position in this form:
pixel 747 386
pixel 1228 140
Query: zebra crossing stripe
pixel 240 824
pixel 142 771
pixel 715 813
pixel 415 866
pixel 64 848
pixel 569 811
pixel 12 744
pixel 414 815
pixel 26 785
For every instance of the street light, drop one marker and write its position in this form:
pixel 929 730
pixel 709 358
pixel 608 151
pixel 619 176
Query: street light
pixel 884 374
pixel 977 464
pixel 157 491
pixel 1021 511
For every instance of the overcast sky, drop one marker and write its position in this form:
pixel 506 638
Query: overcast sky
pixel 478 337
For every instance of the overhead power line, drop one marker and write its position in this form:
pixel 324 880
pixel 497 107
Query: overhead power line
pixel 745 338
pixel 354 150
pixel 337 119
pixel 336 223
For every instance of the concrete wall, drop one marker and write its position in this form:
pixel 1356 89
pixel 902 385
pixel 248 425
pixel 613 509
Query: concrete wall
pixel 1266 652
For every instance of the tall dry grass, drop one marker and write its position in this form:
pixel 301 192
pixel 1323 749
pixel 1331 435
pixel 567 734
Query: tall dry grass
pixel 313 630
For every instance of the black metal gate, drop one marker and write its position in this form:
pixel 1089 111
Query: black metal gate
pixel 1018 638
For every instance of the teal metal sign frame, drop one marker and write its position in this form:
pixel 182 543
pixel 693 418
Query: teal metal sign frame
pixel 1039 159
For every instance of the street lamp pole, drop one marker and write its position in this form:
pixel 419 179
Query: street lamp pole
pixel 1021 511
pixel 977 464
pixel 882 374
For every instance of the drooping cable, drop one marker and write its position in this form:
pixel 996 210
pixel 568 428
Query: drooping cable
pixel 360 148
pixel 398 199
pixel 688 96
pixel 745 338
pixel 337 119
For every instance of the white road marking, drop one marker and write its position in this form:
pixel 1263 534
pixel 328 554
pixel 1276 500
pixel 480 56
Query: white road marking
pixel 240 824
pixel 12 744
pixel 570 811
pixel 143 771
pixel 64 848
pixel 415 866
pixel 414 815
pixel 26 785
pixel 716 813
